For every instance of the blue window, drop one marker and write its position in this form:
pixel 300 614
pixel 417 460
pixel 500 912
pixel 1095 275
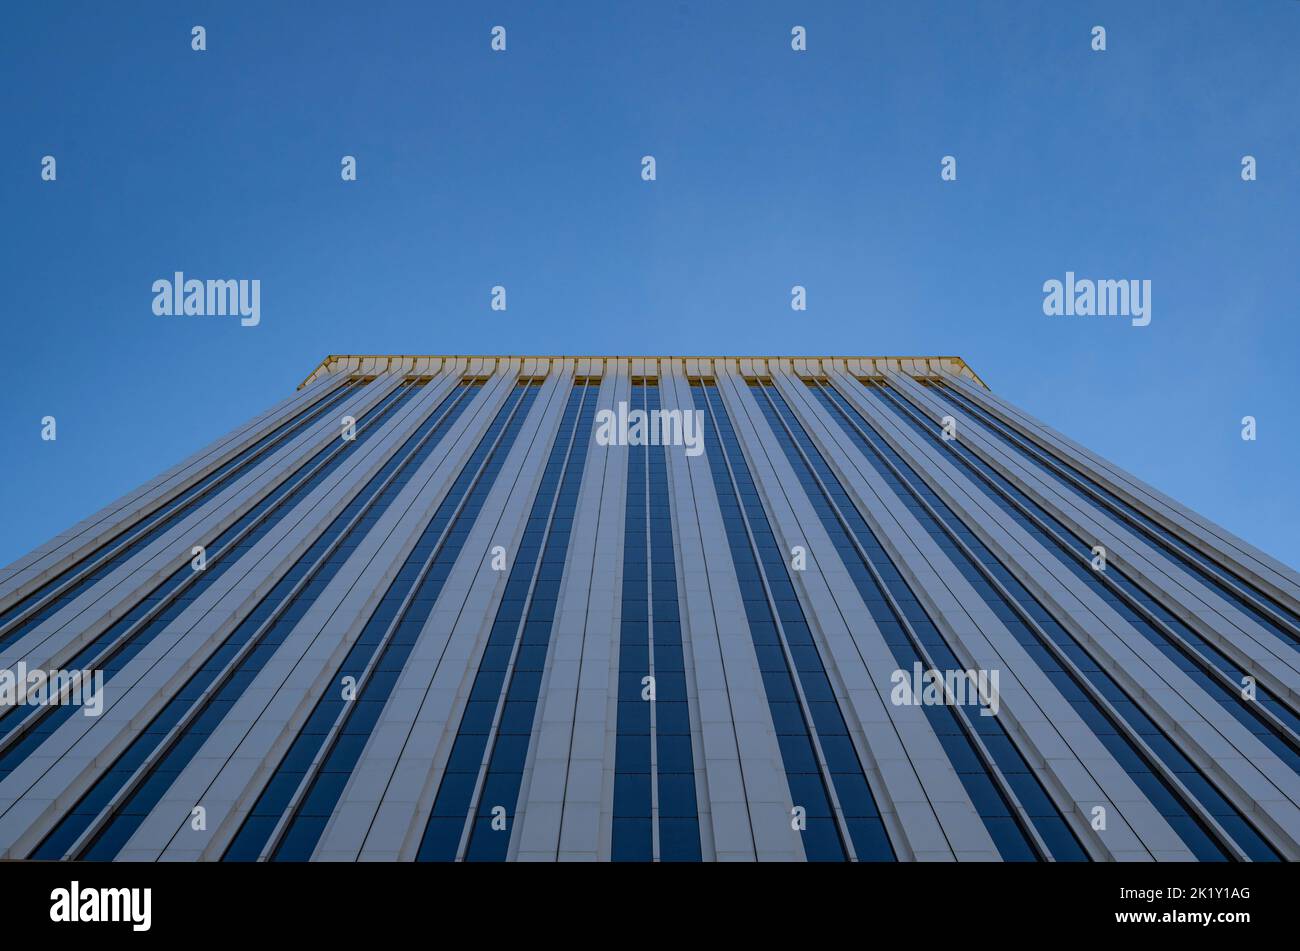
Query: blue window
pixel 650 645
pixel 390 636
pixel 890 599
pixel 1266 611
pixel 776 620
pixel 1052 534
pixel 228 683
pixel 545 546
pixel 29 611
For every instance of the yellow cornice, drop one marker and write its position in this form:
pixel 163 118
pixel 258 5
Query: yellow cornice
pixel 953 364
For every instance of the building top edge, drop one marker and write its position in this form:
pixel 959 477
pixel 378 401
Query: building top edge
pixel 374 363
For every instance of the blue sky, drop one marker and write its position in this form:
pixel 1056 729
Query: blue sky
pixel 774 168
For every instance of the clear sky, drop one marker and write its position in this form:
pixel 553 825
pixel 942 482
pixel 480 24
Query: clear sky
pixel 774 168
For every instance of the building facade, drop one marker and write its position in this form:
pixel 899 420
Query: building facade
pixel 674 609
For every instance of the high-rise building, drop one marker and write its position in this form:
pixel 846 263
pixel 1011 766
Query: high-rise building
pixel 661 608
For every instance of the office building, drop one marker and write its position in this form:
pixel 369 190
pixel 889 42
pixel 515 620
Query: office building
pixel 660 608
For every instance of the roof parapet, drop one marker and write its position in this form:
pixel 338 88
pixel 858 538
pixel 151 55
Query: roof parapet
pixel 919 366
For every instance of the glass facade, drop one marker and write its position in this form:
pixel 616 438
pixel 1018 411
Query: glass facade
pixel 826 777
pixel 828 629
pixel 655 809
pixel 25 728
pixel 487 758
pixel 157 756
pixel 27 612
pixel 1271 721
pixel 1092 693
pixel 1006 793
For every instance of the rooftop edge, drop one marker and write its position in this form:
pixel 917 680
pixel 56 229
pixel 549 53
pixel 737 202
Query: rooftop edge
pixel 924 365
